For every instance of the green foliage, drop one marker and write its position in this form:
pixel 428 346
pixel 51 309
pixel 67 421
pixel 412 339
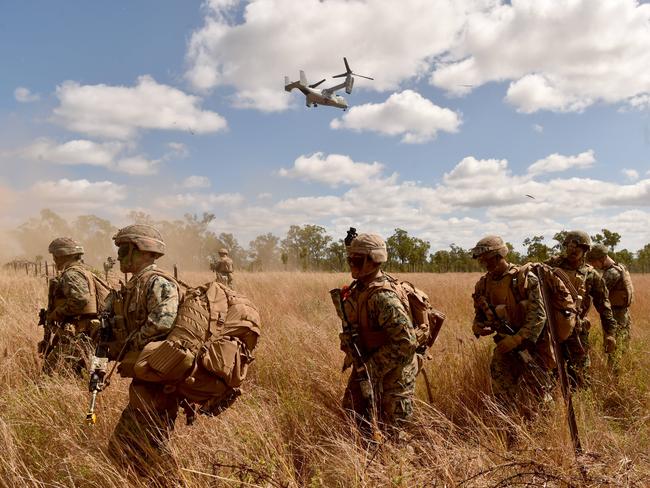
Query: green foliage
pixel 536 249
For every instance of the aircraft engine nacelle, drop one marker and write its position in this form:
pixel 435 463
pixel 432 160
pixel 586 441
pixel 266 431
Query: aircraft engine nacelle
pixel 349 83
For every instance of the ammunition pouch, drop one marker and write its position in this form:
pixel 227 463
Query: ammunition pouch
pixel 118 329
pixel 227 358
pixel 127 364
pixel 163 362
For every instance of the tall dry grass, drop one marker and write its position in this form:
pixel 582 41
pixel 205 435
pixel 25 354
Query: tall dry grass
pixel 288 430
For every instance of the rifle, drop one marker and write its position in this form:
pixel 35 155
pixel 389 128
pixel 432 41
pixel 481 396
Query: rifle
pixel 42 317
pixel 561 363
pixel 98 366
pixel 358 363
pixel 502 325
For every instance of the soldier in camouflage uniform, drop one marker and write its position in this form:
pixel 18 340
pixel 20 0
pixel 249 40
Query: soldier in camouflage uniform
pixel 518 364
pixel 144 311
pixel 620 294
pixel 386 336
pixel 586 285
pixel 71 310
pixel 223 267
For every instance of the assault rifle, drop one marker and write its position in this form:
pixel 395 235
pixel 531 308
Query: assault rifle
pixel 561 362
pixel 350 338
pixel 98 366
pixel 44 345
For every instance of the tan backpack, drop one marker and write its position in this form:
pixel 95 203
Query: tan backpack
pixel 97 287
pixel 426 320
pixel 623 294
pixel 206 355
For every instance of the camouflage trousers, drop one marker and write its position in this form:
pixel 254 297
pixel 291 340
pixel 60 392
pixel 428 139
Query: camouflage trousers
pixel 393 389
pixel 142 432
pixel 576 352
pixel 622 336
pixel 224 279
pixel 517 383
pixel 68 351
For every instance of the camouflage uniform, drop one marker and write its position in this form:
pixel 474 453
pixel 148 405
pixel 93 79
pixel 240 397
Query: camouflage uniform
pixel 223 268
pixel 591 287
pixel 149 303
pixel 71 316
pixel 388 340
pixel 620 296
pixel 525 314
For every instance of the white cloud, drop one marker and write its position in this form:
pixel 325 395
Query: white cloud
pixel 77 151
pixel 406 113
pixel 81 193
pixel 178 150
pixel 110 155
pixel 24 95
pixel 276 38
pixel 599 52
pixel 558 162
pixel 120 112
pixel 203 201
pixel 538 128
pixel 195 181
pixel 630 174
pixel 333 170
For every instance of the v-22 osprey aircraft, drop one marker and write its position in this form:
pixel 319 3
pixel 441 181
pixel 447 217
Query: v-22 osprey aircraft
pixel 325 96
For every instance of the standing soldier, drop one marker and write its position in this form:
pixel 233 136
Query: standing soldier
pixel 585 285
pixel 143 312
pixel 380 329
pixel 621 293
pixel 223 267
pixel 508 304
pixel 71 315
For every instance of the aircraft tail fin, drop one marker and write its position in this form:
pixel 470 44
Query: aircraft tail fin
pixel 303 78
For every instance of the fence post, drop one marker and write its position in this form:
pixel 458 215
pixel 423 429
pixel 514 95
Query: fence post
pixel 175 272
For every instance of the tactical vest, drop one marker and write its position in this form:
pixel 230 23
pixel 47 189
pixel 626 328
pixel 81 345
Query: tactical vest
pixel 134 296
pixel 622 293
pixel 506 297
pixel 224 265
pixel 371 336
pixel 94 303
pixel 577 285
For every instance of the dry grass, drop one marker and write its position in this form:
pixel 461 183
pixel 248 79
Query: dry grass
pixel 288 430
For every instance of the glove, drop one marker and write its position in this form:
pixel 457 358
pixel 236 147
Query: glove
pixel 42 346
pixel 609 344
pixel 53 316
pixel 508 343
pixel 346 341
pixel 480 330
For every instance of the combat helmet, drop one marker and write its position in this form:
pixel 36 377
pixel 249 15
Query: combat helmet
pixel 598 251
pixel 144 237
pixel 371 245
pixel 579 237
pixel 64 246
pixel 223 250
pixel 490 244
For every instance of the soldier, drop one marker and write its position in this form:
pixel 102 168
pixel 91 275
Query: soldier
pixel 386 337
pixel 514 313
pixel 585 285
pixel 223 267
pixel 144 311
pixel 71 317
pixel 620 294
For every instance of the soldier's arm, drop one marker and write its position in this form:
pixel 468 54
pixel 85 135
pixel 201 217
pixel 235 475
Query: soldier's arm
pixel 387 311
pixel 76 291
pixel 611 277
pixel 598 292
pixel 535 314
pixel 480 318
pixel 162 307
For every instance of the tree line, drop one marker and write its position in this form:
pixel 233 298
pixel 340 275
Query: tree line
pixel 192 245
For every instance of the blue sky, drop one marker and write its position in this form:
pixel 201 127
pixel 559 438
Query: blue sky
pixel 172 107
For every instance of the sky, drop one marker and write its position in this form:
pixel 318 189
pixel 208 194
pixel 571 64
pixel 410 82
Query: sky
pixel 515 118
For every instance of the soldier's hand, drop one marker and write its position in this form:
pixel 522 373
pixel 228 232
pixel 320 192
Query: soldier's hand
pixel 345 339
pixel 610 344
pixel 480 330
pixel 53 316
pixel 42 346
pixel 508 343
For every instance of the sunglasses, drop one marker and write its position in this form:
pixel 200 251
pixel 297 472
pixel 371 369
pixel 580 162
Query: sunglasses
pixel 123 251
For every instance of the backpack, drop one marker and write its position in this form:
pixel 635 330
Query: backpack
pixel 623 293
pixel 206 356
pixel 97 287
pixel 427 321
pixel 564 299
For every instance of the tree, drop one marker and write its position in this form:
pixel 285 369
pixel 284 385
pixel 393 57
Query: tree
pixel 336 256
pixel 607 238
pixel 536 249
pixel 265 252
pixel 400 248
pixel 559 237
pixel 306 246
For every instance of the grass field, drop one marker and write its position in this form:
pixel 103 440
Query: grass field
pixel 288 430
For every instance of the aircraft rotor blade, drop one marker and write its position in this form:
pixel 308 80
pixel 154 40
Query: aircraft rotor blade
pixel 317 83
pixel 347 66
pixel 361 76
pixel 340 76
